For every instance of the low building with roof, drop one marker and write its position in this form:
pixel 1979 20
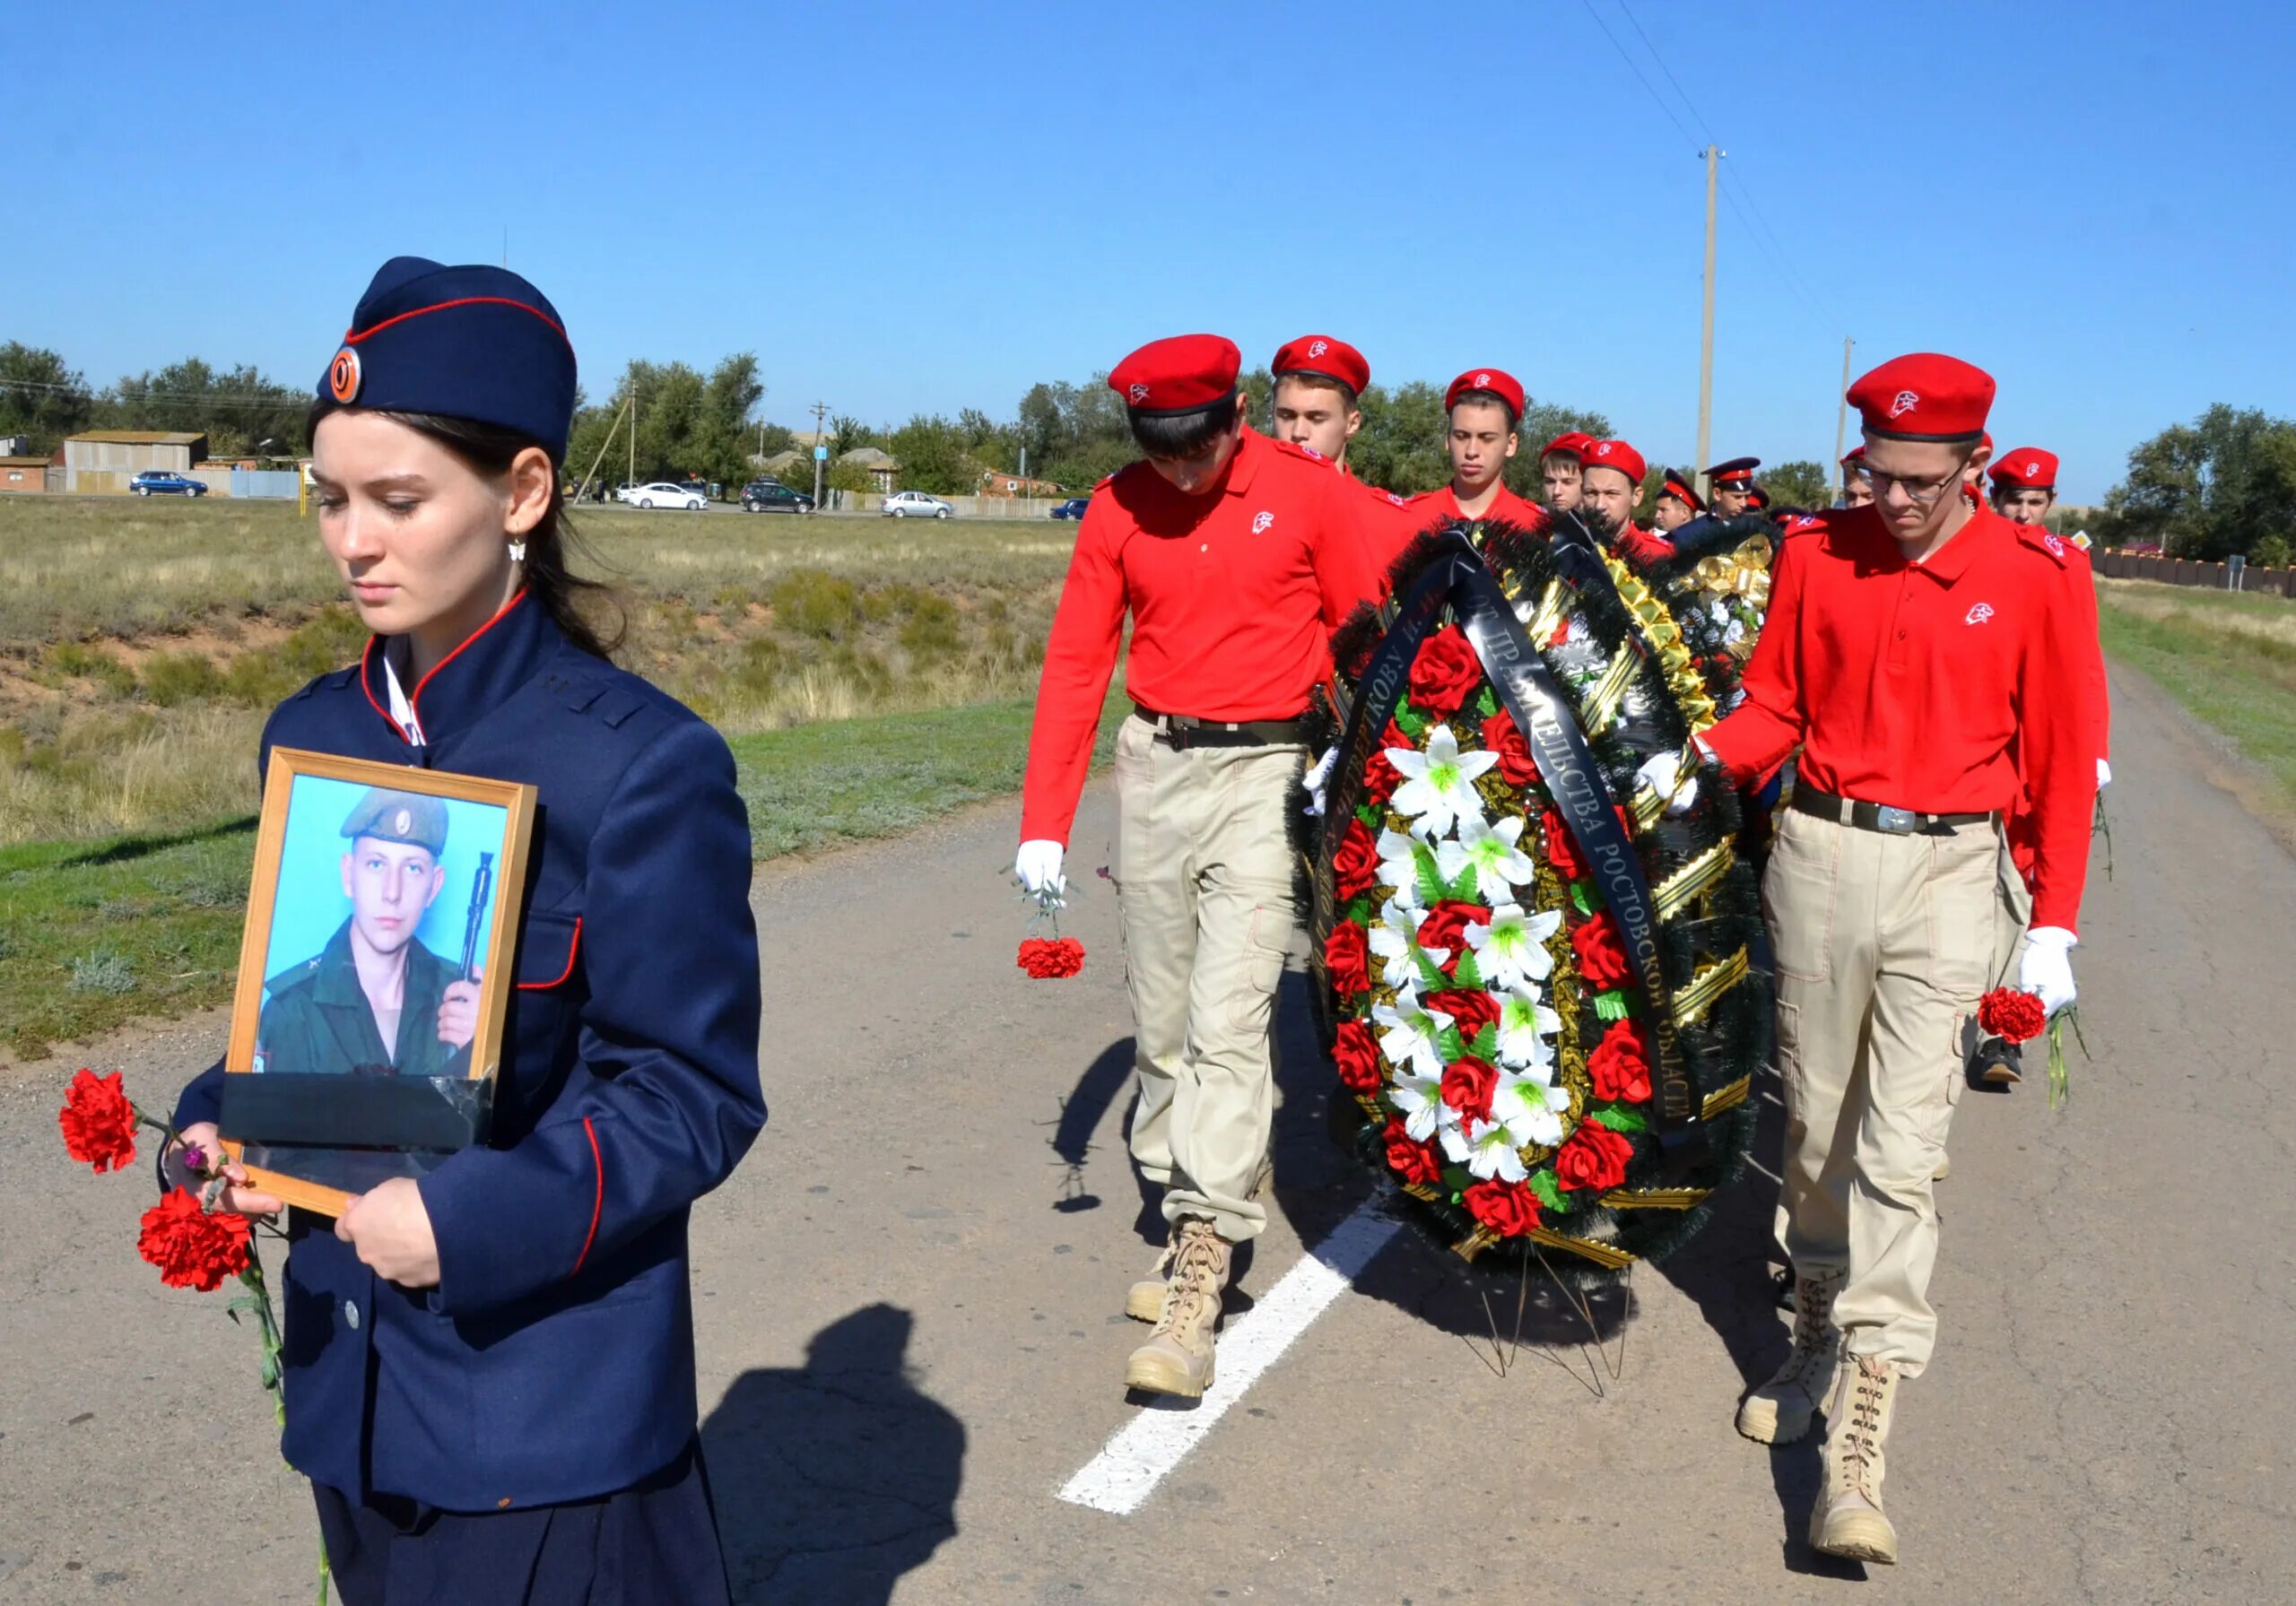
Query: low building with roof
pixel 101 462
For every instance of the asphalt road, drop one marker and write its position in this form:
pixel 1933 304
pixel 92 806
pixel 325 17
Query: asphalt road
pixel 909 1307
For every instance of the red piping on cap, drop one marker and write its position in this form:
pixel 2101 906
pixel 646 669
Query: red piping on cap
pixel 351 337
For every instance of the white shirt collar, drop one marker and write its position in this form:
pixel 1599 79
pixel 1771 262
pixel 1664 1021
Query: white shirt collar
pixel 394 651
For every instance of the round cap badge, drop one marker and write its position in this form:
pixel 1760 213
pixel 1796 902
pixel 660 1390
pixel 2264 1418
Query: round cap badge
pixel 404 823
pixel 342 375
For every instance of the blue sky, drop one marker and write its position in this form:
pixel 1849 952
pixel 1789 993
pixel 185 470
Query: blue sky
pixel 909 207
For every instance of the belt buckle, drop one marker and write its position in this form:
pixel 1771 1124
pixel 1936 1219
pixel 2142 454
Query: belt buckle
pixel 1175 732
pixel 1896 821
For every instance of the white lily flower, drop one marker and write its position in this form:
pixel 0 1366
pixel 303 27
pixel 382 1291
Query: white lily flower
pixel 1398 866
pixel 1488 1148
pixel 1525 1025
pixel 1512 948
pixel 1499 864
pixel 1532 1106
pixel 1410 1034
pixel 1395 940
pixel 1438 784
pixel 1420 1098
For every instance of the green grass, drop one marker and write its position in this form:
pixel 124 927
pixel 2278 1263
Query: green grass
pixel 94 934
pixel 2229 660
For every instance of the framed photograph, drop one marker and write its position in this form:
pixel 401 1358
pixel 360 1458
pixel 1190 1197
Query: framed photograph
pixel 373 972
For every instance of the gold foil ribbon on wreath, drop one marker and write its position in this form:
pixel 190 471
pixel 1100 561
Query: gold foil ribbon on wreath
pixel 1665 638
pixel 1692 1002
pixel 1696 877
pixel 1654 1198
pixel 1608 1257
pixel 1726 1098
pixel 1742 573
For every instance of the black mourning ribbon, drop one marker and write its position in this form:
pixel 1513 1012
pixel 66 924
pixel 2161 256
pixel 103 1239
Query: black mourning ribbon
pixel 1455 577
pixel 424 1114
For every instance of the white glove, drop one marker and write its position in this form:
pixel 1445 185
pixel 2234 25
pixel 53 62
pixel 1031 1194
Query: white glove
pixel 1663 774
pixel 1038 866
pixel 1315 778
pixel 2046 968
pixel 2104 775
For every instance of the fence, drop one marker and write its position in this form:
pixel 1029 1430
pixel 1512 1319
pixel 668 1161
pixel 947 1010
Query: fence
pixel 967 507
pixel 2191 572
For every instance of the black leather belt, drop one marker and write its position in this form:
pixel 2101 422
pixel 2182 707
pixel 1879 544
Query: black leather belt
pixel 1881 817
pixel 1182 732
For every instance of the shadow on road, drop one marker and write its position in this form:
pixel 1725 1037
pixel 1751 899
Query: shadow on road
pixel 1105 1080
pixel 834 1480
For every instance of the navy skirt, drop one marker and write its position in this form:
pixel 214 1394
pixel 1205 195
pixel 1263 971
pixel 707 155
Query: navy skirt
pixel 652 1544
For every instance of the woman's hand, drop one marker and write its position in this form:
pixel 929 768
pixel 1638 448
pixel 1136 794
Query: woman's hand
pixel 390 1227
pixel 239 1197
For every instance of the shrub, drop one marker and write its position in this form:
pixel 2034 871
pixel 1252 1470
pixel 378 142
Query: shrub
pixel 811 602
pixel 103 970
pixel 2271 552
pixel 173 677
pixel 92 663
pixel 932 629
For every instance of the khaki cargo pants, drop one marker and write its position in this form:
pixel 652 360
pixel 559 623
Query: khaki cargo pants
pixel 1204 877
pixel 1885 945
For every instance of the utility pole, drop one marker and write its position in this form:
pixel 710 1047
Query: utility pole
pixel 633 432
pixel 1713 155
pixel 1841 423
pixel 820 410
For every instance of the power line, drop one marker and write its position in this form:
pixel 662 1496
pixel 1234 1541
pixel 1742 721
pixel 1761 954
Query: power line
pixel 286 398
pixel 1648 88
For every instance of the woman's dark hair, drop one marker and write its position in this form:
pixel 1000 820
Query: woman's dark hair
pixel 1183 434
pixel 572 601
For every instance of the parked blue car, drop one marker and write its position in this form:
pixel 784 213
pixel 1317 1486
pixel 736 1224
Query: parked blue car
pixel 159 481
pixel 1073 507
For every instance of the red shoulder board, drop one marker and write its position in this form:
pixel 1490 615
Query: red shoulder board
pixel 2058 551
pixel 1802 523
pixel 1291 448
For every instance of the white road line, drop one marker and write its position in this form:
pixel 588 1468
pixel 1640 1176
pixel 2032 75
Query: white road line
pixel 1127 1472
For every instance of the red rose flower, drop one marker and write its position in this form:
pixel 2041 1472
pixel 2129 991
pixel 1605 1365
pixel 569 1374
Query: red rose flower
pixel 193 1249
pixel 1516 767
pixel 1620 1065
pixel 1347 956
pixel 1470 1010
pixel 2006 1013
pixel 1446 672
pixel 1051 960
pixel 1602 954
pixel 1381 776
pixel 1357 1057
pixel 1594 1157
pixel 1445 925
pixel 1508 1208
pixel 1468 1085
pixel 1356 864
pixel 99 1122
pixel 1407 1157
pixel 1562 848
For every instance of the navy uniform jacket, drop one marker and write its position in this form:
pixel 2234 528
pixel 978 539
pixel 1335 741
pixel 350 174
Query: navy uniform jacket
pixel 554 1359
pixel 318 1020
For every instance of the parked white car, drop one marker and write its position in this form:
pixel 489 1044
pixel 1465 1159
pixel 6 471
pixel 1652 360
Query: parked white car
pixel 661 493
pixel 916 504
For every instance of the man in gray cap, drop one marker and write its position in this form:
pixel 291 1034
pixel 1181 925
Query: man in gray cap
pixel 376 1001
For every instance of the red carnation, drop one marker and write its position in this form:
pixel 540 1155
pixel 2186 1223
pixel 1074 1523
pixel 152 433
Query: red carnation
pixel 1594 1157
pixel 192 1248
pixel 1620 1065
pixel 1516 767
pixel 1357 1057
pixel 1470 1010
pixel 1467 1086
pixel 1446 672
pixel 1508 1208
pixel 1407 1157
pixel 2006 1013
pixel 99 1122
pixel 1347 956
pixel 1356 864
pixel 1602 954
pixel 1562 848
pixel 1051 960
pixel 1445 925
pixel 1381 776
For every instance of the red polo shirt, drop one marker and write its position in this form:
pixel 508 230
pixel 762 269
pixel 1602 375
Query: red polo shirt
pixel 1234 597
pixel 1929 685
pixel 1642 547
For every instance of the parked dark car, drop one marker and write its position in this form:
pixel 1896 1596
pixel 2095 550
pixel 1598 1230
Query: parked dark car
pixel 1073 507
pixel 770 496
pixel 159 482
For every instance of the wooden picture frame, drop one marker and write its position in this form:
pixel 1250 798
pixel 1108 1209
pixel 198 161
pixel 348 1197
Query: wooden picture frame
pixel 327 1089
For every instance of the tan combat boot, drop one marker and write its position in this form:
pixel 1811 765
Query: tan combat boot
pixel 1849 1520
pixel 1145 1300
pixel 1177 1358
pixel 1778 1412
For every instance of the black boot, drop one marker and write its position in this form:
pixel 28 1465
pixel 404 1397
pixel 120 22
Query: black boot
pixel 1997 1064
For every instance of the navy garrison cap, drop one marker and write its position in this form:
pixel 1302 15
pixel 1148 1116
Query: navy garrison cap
pixel 475 342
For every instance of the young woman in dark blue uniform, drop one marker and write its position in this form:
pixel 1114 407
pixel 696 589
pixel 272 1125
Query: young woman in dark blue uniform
pixel 490 1373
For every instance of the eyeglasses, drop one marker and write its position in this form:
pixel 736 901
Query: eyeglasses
pixel 1919 493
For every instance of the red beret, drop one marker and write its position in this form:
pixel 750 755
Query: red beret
pixel 1924 396
pixel 1497 381
pixel 1182 373
pixel 1856 453
pixel 1617 455
pixel 1678 486
pixel 1571 443
pixel 2028 468
pixel 1322 355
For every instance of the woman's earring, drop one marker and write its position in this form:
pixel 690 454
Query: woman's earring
pixel 517 552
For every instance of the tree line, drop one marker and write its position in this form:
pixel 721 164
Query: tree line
pixel 241 413
pixel 2220 486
